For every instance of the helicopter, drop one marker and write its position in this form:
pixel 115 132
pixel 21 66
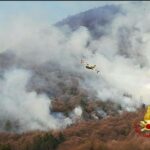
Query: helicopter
pixel 91 67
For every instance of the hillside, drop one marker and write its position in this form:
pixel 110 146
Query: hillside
pixel 94 19
pixel 110 133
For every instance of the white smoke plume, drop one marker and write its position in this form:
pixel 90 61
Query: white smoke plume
pixel 121 54
pixel 31 110
pixel 76 114
pixel 78 111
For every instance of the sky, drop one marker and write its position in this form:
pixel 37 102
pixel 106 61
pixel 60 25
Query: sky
pixel 47 11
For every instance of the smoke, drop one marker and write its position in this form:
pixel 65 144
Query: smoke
pixel 125 64
pixel 40 57
pixel 78 111
pixel 32 62
pixel 122 55
pixel 29 110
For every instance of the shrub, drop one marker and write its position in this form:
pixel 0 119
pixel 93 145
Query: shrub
pixel 47 142
pixel 5 147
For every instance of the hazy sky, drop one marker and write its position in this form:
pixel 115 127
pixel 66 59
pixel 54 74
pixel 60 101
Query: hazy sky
pixel 51 11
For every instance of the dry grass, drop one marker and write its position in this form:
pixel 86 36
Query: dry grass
pixel 112 133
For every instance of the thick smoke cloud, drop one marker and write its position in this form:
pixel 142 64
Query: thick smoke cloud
pixel 31 63
pixel 26 109
pixel 38 54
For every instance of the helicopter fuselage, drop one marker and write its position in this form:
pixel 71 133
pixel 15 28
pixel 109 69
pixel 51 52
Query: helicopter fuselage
pixel 90 67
